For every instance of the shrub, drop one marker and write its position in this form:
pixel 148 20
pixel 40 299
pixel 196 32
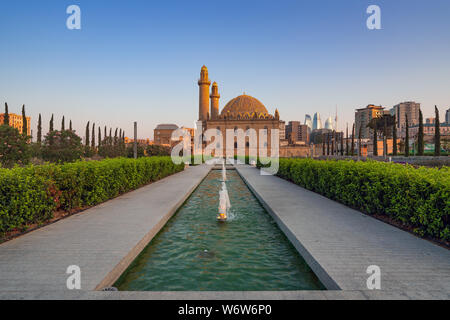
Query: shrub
pixel 14 148
pixel 419 198
pixel 62 146
pixel 32 194
pixel 157 150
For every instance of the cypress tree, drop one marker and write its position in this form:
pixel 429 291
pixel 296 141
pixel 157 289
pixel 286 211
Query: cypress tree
pixel 437 133
pixel 63 125
pixel 375 141
pixel 39 130
pixel 70 125
pixel 394 138
pixel 328 143
pixel 346 142
pixel 420 145
pixel 99 137
pixel 93 136
pixel 87 135
pixel 323 144
pixel 51 124
pixel 407 137
pixel 24 122
pixel 110 142
pixel 332 143
pixel 115 137
pixel 353 140
pixel 6 117
pixel 105 136
pixel 359 140
pixel 342 143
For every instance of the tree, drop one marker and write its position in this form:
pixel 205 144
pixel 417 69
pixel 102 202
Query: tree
pixel 437 133
pixel 420 144
pixel 63 124
pixel 14 148
pixel 353 140
pixel 359 140
pixel 406 136
pixel 39 130
pixel 62 146
pixel 51 124
pixel 24 122
pixel 332 143
pixel 86 141
pixel 99 137
pixel 6 117
pixel 328 143
pixel 156 150
pixel 342 143
pixel 394 138
pixel 323 144
pixel 375 143
pixel 93 137
pixel 70 125
pixel 346 142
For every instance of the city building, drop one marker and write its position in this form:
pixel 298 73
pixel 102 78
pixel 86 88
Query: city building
pixel 242 112
pixel 317 124
pixel 429 129
pixel 16 121
pixel 139 141
pixel 295 131
pixel 162 134
pixel 402 109
pixel 447 116
pixel 363 117
pixel 308 122
pixel 329 124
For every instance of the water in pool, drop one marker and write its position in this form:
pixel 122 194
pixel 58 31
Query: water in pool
pixel 195 252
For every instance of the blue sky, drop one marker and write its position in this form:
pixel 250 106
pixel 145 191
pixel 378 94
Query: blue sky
pixel 140 60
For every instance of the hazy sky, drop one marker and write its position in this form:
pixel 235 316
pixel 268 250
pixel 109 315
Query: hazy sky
pixel 140 60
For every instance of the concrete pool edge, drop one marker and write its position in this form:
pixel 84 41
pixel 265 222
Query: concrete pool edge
pixel 323 276
pixel 122 266
pixel 224 295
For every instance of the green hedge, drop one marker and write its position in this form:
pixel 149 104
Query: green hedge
pixel 419 198
pixel 31 194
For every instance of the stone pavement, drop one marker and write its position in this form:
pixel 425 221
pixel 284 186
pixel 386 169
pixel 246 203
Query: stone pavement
pixel 339 243
pixel 102 240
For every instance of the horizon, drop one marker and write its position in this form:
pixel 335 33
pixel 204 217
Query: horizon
pixel 140 61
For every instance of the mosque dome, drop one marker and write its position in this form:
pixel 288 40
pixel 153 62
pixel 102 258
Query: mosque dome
pixel 244 104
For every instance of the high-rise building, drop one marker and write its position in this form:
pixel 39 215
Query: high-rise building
pixel 317 124
pixel 16 121
pixel 308 121
pixel 295 131
pixel 363 117
pixel 402 109
pixel 329 124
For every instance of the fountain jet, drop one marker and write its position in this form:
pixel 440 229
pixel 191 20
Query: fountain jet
pixel 224 203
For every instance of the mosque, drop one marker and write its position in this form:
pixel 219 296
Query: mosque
pixel 243 112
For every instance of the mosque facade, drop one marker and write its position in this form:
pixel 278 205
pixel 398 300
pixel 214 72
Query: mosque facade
pixel 242 112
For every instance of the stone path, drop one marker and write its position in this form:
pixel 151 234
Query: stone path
pixel 102 240
pixel 340 243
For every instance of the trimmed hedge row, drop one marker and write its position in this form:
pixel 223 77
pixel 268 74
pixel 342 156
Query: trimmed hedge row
pixel 417 197
pixel 31 194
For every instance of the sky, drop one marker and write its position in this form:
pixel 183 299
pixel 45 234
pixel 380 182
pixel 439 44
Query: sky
pixel 140 60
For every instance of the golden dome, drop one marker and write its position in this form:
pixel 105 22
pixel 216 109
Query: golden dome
pixel 244 104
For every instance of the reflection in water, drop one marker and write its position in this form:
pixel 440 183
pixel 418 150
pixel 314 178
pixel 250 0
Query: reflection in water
pixel 196 252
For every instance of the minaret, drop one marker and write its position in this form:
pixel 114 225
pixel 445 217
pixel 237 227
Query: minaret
pixel 214 101
pixel 203 102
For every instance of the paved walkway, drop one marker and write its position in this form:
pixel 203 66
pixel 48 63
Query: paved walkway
pixel 340 243
pixel 102 240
